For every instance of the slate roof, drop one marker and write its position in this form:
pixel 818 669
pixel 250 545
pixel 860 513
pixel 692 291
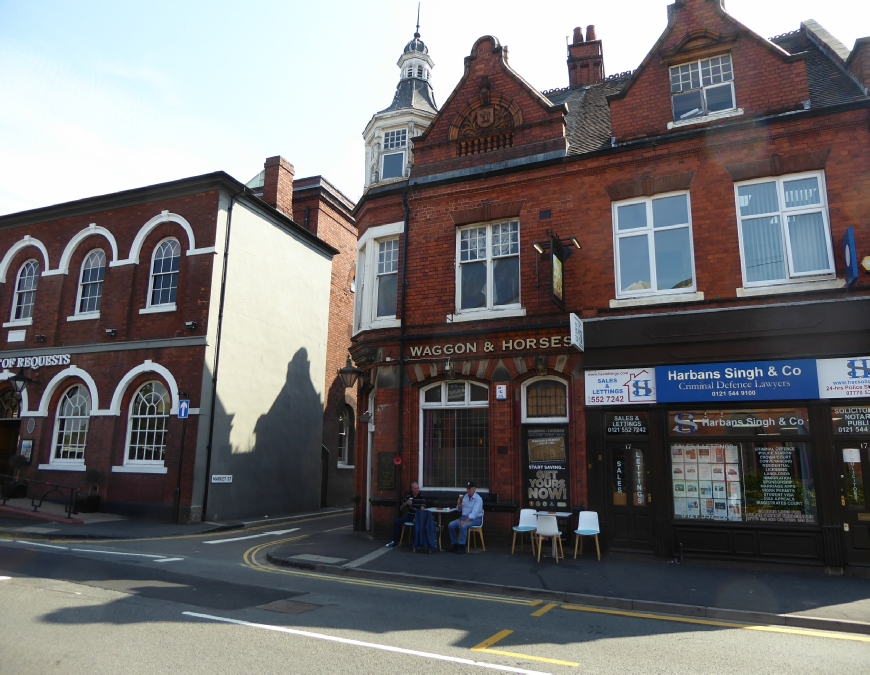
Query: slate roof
pixel 413 93
pixel 587 124
pixel 828 84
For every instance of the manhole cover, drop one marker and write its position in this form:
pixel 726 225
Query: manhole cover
pixel 288 607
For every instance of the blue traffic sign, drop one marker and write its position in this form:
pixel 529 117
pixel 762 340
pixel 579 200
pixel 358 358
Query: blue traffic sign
pixel 183 409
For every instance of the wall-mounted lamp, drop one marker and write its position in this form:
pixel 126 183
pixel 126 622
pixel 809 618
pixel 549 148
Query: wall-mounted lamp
pixel 366 417
pixel 540 365
pixel 539 247
pixel 191 325
pixel 349 374
pixel 39 338
pixel 450 370
pixel 111 332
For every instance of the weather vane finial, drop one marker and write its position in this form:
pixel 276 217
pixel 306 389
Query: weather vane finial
pixel 417 32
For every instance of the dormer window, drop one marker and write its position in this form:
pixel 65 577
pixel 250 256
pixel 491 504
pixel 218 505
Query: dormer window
pixel 702 88
pixel 394 162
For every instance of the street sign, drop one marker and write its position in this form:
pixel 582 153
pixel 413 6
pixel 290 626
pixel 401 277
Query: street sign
pixel 183 409
pixel 577 332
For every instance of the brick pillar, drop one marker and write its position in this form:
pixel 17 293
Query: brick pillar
pixel 859 62
pixel 278 185
pixel 585 59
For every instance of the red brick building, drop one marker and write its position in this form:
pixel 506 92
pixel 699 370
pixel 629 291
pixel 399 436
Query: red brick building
pixel 714 191
pixel 124 306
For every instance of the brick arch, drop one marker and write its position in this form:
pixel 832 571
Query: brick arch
pixel 147 367
pixel 58 380
pixel 496 101
pixel 18 246
pixel 25 398
pixel 147 228
pixel 72 245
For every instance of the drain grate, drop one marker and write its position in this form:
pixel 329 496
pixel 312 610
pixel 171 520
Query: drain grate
pixel 288 607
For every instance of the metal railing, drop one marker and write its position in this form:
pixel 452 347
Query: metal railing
pixel 8 485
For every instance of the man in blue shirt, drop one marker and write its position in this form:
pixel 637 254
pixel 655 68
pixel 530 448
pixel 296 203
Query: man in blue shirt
pixel 470 508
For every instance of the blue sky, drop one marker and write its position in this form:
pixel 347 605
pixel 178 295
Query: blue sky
pixel 97 97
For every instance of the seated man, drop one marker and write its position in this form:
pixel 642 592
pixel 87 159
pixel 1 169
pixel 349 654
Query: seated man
pixel 413 500
pixel 470 507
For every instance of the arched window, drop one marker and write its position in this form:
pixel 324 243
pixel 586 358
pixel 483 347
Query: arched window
pixel 345 437
pixel 71 426
pixel 25 291
pixel 146 430
pixel 8 405
pixel 91 283
pixel 545 400
pixel 164 273
pixel 454 435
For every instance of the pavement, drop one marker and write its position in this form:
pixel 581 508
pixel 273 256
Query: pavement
pixel 785 595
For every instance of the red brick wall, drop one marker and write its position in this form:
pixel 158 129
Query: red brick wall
pixel 764 81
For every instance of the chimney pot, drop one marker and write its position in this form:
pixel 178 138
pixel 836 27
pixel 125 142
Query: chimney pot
pixel 278 184
pixel 585 59
pixel 590 34
pixel 578 35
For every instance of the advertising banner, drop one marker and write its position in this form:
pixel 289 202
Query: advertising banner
pixel 621 387
pixel 844 378
pixel 742 381
pixel 545 467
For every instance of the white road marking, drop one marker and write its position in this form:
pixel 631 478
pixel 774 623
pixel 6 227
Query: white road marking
pixel 368 558
pixel 250 536
pixel 139 555
pixel 343 527
pixel 5 578
pixel 370 645
pixel 168 559
pixel 36 543
pixel 317 558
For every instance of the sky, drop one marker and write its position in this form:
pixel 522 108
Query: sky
pixel 99 96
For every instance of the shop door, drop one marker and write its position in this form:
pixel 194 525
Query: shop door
pixel 630 516
pixel 8 443
pixel 854 464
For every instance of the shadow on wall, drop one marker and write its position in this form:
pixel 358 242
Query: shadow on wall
pixel 281 472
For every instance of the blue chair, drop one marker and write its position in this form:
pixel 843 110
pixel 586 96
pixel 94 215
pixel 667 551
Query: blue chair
pixel 410 534
pixel 528 525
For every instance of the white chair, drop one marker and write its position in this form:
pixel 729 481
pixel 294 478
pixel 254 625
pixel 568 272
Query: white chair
pixel 587 526
pixel 478 530
pixel 410 527
pixel 528 525
pixel 548 528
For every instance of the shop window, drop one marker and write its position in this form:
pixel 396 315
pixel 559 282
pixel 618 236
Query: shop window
pixel 146 429
pixel 702 88
pixel 784 230
pixel 377 278
pixel 164 273
pixel 752 473
pixel 488 267
pixel 91 283
pixel 454 435
pixel 25 291
pixel 545 400
pixel 71 426
pixel 653 246
pixel 345 437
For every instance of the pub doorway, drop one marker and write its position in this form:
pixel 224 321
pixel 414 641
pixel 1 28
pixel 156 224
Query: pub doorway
pixel 10 424
pixel 629 510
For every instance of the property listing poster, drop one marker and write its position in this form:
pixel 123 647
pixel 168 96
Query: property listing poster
pixel 706 481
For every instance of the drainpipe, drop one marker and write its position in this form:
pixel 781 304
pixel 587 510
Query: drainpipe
pixel 401 415
pixel 217 353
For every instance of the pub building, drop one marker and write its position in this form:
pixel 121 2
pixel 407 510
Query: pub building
pixel 639 294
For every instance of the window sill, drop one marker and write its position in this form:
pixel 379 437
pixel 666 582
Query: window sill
pixel 345 466
pixel 62 467
pixel 84 317
pixel 19 322
pixel 380 323
pixel 145 468
pixel 156 309
pixel 657 300
pixel 796 287
pixel 487 314
pixel 707 118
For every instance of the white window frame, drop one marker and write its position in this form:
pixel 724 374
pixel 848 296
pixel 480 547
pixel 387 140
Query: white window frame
pixel 145 463
pixel 783 213
pixel 490 311
pixel 26 321
pixel 365 298
pixel 54 461
pixel 163 306
pixel 347 452
pixel 650 231
pixel 395 148
pixel 444 405
pixel 705 114
pixel 95 314
pixel 376 287
pixel 544 420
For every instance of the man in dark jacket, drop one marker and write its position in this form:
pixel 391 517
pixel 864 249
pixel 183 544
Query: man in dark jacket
pixel 413 500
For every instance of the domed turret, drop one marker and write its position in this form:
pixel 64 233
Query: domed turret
pixel 416 45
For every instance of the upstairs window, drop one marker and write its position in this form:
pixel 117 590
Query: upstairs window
pixel 488 273
pixel 394 162
pixel 25 291
pixel 164 273
pixel 653 246
pixel 91 283
pixel 388 275
pixel 784 229
pixel 702 88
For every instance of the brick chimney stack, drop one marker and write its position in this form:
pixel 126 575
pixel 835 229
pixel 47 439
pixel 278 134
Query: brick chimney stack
pixel 278 184
pixel 585 59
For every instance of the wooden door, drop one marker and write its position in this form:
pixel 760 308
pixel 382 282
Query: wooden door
pixel 853 460
pixel 629 501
